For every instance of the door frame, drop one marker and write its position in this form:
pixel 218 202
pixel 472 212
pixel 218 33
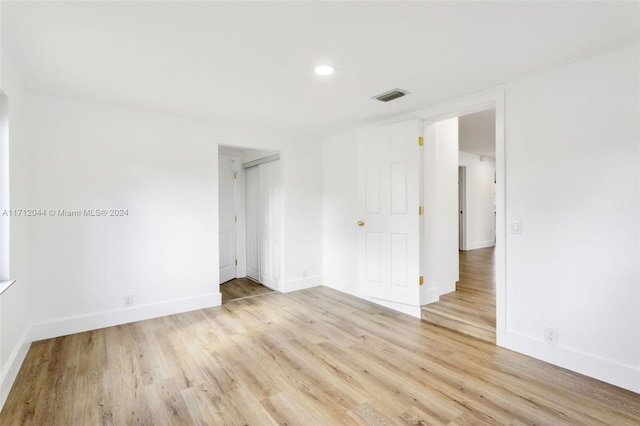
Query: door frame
pixel 468 105
pixel 255 156
pixel 462 207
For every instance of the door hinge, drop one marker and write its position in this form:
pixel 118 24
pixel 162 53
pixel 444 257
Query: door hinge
pixel 421 280
pixel 420 141
pixel 235 175
pixel 420 210
pixel 236 262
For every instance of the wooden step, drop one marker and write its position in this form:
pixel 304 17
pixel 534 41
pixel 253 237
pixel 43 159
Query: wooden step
pixel 433 315
pixel 471 309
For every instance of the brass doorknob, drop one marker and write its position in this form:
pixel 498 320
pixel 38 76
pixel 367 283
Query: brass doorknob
pixel 360 223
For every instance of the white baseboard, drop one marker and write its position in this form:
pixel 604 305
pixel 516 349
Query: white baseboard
pixel 624 376
pixel 480 244
pixel 352 289
pixel 340 285
pixel 411 310
pixel 65 326
pixel 429 295
pixel 301 283
pixel 10 372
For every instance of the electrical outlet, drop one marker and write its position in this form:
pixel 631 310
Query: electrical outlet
pixel 128 300
pixel 551 335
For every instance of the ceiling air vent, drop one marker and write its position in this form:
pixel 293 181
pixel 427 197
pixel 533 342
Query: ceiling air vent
pixel 390 95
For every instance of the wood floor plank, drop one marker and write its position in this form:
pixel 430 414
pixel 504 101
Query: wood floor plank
pixel 291 407
pixel 92 402
pixel 169 406
pixel 313 357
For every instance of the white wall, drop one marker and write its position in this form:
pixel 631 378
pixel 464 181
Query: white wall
pixel 301 175
pixel 163 169
pixel 340 198
pixel 477 132
pixel 479 214
pixel 572 178
pixel 14 303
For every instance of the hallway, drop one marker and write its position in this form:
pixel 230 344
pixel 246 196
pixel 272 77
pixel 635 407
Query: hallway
pixel 471 309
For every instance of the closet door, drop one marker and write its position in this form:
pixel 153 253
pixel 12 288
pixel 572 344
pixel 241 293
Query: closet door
pixel 253 234
pixel 269 205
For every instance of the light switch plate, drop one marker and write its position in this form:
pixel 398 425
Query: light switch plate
pixel 516 226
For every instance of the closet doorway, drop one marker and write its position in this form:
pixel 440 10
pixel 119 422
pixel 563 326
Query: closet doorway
pixel 250 219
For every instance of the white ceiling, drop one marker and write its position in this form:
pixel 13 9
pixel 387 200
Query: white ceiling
pixel 477 133
pixel 253 62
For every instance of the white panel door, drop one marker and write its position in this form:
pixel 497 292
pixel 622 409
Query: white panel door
pixel 389 235
pixel 253 234
pixel 269 190
pixel 226 217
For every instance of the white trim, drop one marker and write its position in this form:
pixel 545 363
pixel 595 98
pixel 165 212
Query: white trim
pixel 263 160
pixel 353 289
pixel 480 244
pixel 239 228
pixel 413 311
pixel 275 285
pixel 624 376
pixel 12 367
pixel 301 283
pixel 5 204
pixel 241 225
pixel 4 285
pixel 341 285
pixel 501 221
pixel 78 324
pixel 430 294
pixel 462 207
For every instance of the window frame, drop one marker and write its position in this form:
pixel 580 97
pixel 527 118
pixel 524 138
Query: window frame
pixel 5 280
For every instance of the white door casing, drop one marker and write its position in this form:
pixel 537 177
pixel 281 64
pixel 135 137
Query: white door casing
pixel 462 208
pixel 226 217
pixel 388 186
pixel 253 234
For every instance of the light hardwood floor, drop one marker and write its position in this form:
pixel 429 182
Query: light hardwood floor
pixel 312 357
pixel 241 287
pixel 471 309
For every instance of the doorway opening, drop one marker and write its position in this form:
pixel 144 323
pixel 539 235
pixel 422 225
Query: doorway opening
pixel 249 222
pixel 465 166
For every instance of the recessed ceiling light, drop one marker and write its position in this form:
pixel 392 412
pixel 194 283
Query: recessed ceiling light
pixel 324 70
